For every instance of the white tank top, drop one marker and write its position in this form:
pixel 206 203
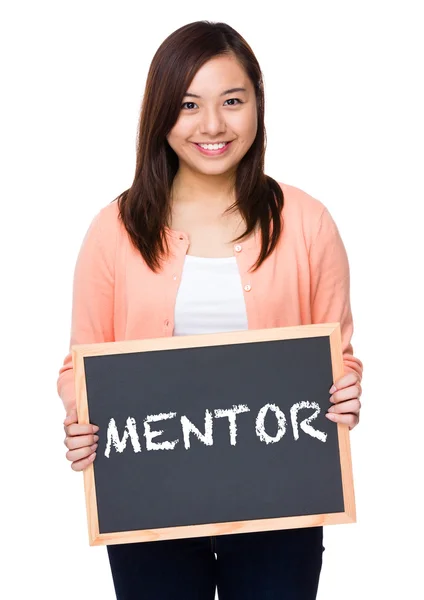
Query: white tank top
pixel 210 297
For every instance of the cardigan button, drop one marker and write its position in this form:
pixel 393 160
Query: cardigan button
pixel 247 287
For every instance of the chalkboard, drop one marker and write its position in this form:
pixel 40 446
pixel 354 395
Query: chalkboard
pixel 214 434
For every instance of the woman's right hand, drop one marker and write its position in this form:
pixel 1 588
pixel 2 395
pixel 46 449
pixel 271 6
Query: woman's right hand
pixel 80 440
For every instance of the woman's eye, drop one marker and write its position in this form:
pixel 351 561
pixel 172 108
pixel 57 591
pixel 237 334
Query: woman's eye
pixel 189 105
pixel 193 105
pixel 234 101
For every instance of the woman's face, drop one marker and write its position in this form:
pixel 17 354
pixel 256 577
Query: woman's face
pixel 219 110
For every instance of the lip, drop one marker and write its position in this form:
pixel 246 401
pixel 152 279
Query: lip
pixel 213 152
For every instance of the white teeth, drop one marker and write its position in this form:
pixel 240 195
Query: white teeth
pixel 213 146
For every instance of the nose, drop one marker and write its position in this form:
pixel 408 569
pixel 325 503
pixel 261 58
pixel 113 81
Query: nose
pixel 212 122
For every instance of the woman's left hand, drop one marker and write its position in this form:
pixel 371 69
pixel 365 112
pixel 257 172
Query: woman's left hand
pixel 346 404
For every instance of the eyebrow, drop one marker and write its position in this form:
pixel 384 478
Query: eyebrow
pixel 230 91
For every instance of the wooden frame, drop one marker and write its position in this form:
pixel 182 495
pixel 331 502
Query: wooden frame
pixel 331 330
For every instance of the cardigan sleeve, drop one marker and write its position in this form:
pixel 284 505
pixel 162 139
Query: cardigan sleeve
pixel 92 302
pixel 330 286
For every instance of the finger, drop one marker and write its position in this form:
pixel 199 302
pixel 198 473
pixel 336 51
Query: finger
pixel 80 465
pixel 345 381
pixel 349 406
pixel 77 429
pixel 346 419
pixel 74 455
pixel 346 394
pixel 71 417
pixel 79 441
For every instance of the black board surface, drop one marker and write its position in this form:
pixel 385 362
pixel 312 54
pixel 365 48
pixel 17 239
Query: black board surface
pixel 268 467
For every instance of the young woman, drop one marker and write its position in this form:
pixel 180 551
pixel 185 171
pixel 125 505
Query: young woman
pixel 203 241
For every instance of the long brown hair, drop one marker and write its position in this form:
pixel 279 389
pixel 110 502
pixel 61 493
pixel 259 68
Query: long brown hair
pixel 145 207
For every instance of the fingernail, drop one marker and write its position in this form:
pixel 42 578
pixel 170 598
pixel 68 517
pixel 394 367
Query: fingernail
pixel 96 438
pixel 330 416
pixel 332 389
pixel 93 447
pixel 93 456
pixel 95 428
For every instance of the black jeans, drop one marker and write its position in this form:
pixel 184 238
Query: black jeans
pixel 283 565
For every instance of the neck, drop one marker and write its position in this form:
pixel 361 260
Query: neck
pixel 200 188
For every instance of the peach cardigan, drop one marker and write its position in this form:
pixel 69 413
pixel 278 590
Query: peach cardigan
pixel 117 297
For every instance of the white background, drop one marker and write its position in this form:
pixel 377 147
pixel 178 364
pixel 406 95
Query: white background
pixel 344 118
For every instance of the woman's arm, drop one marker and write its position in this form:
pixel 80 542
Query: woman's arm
pixel 93 300
pixel 330 286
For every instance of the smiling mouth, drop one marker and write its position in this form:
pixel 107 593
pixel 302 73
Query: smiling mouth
pixel 214 146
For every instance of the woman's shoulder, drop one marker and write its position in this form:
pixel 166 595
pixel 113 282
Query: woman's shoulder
pixel 305 213
pixel 300 203
pixel 105 230
pixel 107 222
pixel 108 215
